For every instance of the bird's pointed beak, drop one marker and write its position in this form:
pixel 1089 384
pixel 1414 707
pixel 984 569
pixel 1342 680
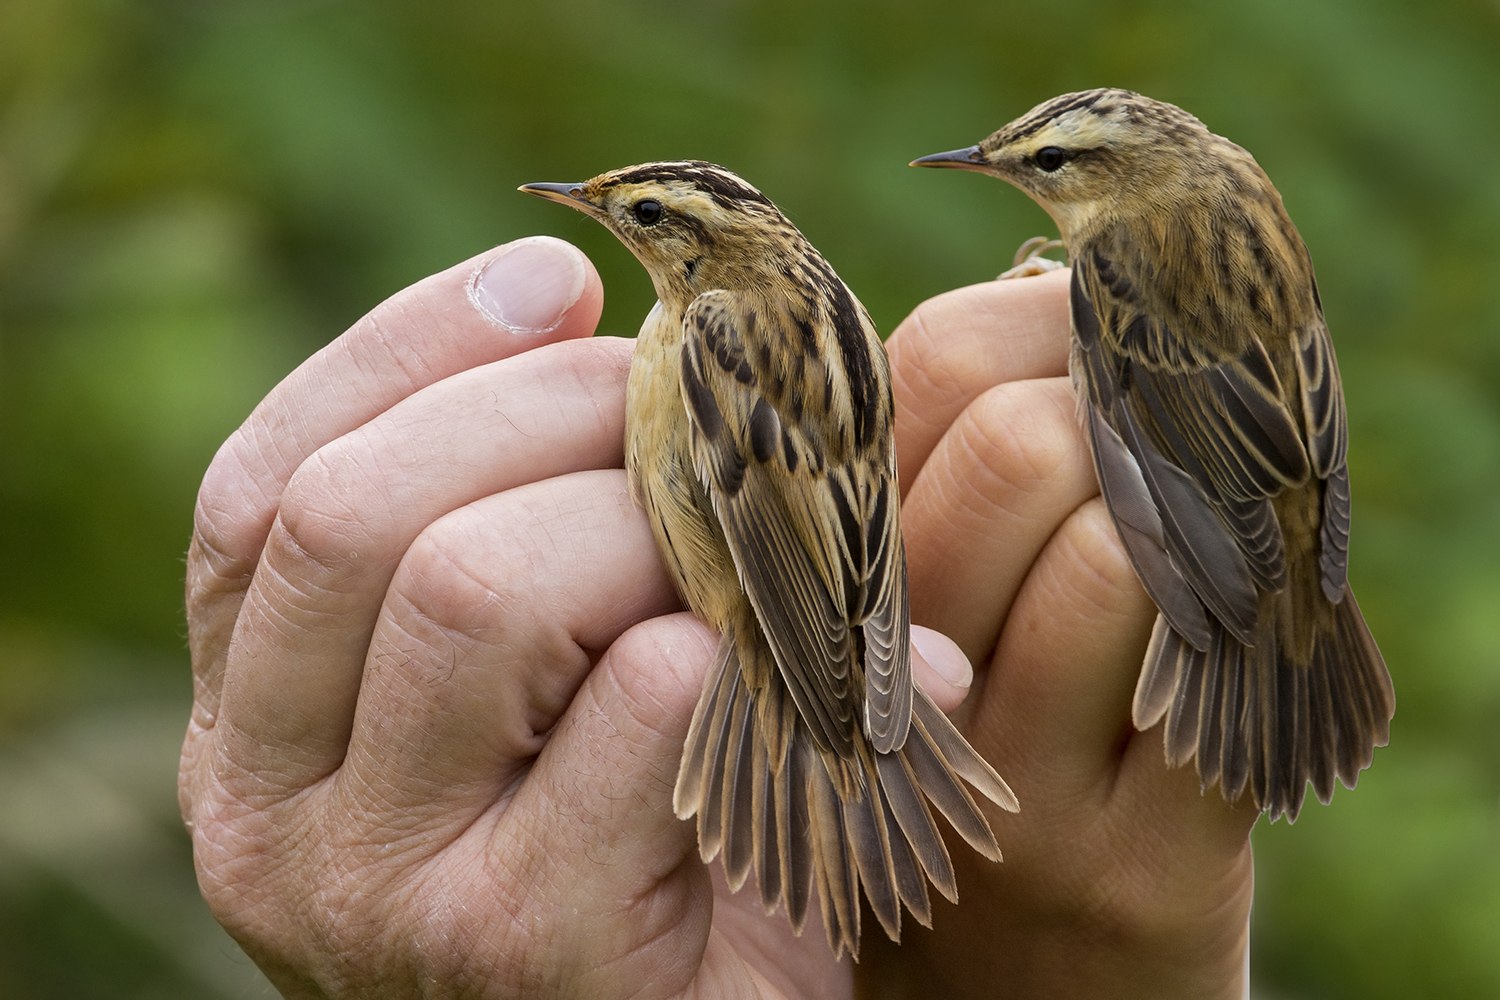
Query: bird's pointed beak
pixel 968 158
pixel 570 194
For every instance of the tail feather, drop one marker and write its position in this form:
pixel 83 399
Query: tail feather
pixel 797 857
pixel 865 821
pixel 687 795
pixel 918 829
pixel 1210 717
pixel 1234 764
pixel 942 787
pixel 834 871
pixel 767 823
pixel 1263 720
pixel 1159 673
pixel 964 759
pixel 1325 689
pixel 1183 720
pixel 737 823
pixel 906 867
pixel 1372 692
pixel 711 813
pixel 801 820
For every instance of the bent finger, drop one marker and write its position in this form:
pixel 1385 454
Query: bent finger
pixel 504 302
pixel 494 618
pixel 352 511
pixel 1066 671
pixel 1011 468
pixel 592 830
pixel 956 345
pixel 1066 663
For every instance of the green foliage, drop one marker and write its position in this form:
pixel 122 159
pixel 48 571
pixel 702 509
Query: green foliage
pixel 194 197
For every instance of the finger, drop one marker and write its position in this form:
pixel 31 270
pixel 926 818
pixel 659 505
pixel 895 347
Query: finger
pixel 1012 466
pixel 940 668
pixel 353 509
pixel 493 620
pixel 499 304
pixel 1066 663
pixel 577 554
pixel 613 760
pixel 1057 705
pixel 1174 798
pixel 592 829
pixel 955 346
pixel 1064 677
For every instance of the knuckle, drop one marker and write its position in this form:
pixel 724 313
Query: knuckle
pixel 282 885
pixel 238 849
pixel 1104 579
pixel 923 367
pixel 598 357
pixel 444 596
pixel 1148 905
pixel 229 525
pixel 328 513
pixel 352 917
pixel 596 365
pixel 513 928
pixel 658 668
pixel 1020 438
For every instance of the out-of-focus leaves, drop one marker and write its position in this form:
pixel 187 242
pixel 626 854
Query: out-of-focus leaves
pixel 194 197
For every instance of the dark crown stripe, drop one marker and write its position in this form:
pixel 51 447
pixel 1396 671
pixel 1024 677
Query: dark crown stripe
pixel 716 182
pixel 1054 109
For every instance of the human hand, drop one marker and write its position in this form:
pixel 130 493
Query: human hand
pixel 441 680
pixel 1120 878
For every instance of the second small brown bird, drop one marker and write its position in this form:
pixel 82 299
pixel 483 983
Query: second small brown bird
pixel 1208 386
pixel 759 441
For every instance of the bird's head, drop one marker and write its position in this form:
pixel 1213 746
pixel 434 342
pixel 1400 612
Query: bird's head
pixel 693 225
pixel 1089 156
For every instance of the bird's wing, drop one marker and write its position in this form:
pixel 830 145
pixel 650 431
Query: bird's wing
pixel 1192 442
pixel 1324 417
pixel 812 523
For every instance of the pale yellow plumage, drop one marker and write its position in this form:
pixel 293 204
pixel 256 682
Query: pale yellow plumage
pixel 758 441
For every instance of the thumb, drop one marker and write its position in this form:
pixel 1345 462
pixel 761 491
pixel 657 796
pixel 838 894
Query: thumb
pixel 608 880
pixel 610 767
pixel 940 668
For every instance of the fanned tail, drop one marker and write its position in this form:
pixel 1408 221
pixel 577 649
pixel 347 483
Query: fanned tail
pixel 1258 718
pixel 800 819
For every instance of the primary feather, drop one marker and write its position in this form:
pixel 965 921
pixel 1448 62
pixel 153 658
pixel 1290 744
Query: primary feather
pixel 759 443
pixel 1213 405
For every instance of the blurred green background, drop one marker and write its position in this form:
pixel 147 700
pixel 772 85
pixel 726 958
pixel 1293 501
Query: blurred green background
pixel 196 196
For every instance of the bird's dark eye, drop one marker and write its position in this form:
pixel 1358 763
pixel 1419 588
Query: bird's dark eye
pixel 647 211
pixel 1050 158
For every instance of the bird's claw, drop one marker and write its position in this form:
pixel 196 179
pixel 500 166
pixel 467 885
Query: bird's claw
pixel 1029 260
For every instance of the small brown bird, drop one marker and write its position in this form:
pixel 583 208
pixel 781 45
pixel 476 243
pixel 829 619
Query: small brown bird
pixel 758 424
pixel 1208 385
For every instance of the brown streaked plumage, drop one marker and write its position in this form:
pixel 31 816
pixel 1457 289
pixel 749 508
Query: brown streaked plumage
pixel 758 441
pixel 1208 385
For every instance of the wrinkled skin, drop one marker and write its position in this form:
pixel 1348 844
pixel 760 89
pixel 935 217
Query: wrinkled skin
pixel 442 683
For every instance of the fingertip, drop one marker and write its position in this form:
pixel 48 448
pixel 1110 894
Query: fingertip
pixel 621 741
pixel 657 671
pixel 537 287
pixel 940 668
pixel 1024 321
pixel 956 345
